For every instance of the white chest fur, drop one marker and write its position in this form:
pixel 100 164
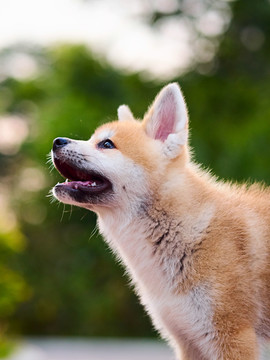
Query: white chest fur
pixel 180 318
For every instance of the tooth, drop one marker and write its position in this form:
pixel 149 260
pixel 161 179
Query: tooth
pixel 94 184
pixel 76 186
pixel 66 180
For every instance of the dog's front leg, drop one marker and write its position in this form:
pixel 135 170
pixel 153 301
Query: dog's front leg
pixel 240 346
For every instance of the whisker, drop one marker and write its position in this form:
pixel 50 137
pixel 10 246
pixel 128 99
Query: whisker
pixel 70 212
pixel 50 162
pixel 93 232
pixel 84 215
pixel 63 212
pixel 51 197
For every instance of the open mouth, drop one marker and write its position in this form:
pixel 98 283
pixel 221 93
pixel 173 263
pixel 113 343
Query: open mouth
pixel 80 181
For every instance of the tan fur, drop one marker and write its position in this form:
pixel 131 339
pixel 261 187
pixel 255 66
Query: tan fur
pixel 197 250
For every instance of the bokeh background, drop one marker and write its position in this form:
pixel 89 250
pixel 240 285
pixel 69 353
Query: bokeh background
pixel 65 66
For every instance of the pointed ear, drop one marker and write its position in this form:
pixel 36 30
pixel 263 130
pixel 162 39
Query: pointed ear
pixel 124 113
pixel 168 114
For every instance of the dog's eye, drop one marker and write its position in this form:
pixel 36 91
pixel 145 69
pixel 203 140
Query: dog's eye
pixel 106 144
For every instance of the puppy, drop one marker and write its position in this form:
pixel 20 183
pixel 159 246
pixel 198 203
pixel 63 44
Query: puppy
pixel 197 250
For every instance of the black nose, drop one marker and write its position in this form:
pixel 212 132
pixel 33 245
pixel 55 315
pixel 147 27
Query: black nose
pixel 60 142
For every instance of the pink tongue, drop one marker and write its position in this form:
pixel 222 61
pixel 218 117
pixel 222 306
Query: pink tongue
pixel 75 184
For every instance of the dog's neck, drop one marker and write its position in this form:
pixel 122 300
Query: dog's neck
pixel 155 238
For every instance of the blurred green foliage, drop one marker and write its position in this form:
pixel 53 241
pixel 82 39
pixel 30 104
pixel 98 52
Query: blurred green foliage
pixel 74 284
pixel 57 276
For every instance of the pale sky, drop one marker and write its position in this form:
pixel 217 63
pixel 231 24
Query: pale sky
pixel 114 28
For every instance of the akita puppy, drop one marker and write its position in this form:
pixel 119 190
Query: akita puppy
pixel 197 250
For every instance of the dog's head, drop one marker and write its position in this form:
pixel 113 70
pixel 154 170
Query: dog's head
pixel 126 160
